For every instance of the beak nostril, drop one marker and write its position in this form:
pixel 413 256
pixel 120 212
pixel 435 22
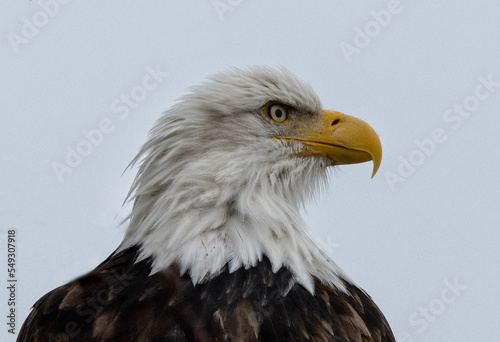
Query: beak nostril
pixel 336 121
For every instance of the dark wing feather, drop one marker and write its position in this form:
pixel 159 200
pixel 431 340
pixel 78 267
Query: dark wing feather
pixel 121 301
pixel 118 301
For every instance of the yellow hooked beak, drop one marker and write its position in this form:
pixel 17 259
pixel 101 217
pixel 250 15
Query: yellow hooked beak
pixel 342 138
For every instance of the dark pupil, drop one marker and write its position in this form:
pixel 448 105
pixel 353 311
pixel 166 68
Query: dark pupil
pixel 278 113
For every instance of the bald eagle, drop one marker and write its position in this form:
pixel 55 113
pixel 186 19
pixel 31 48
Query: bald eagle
pixel 216 249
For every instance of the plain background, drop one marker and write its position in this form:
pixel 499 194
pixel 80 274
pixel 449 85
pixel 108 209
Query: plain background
pixel 404 244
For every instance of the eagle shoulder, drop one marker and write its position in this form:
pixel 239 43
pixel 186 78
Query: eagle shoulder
pixel 121 300
pixel 117 301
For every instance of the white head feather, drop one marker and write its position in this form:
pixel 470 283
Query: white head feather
pixel 215 187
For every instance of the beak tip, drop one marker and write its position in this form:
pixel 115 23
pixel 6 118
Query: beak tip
pixel 376 165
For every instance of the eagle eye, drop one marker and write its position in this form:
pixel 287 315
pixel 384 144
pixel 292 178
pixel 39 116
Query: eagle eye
pixel 277 112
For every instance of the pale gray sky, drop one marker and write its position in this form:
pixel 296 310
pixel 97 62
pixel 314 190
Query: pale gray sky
pixel 421 237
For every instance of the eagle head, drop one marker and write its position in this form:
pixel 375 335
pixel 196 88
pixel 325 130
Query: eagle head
pixel 225 171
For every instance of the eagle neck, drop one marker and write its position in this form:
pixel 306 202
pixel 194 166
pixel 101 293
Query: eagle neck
pixel 207 224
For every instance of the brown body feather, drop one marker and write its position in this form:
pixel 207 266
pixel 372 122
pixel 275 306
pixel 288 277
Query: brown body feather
pixel 121 301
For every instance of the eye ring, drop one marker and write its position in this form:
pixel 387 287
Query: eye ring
pixel 277 113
